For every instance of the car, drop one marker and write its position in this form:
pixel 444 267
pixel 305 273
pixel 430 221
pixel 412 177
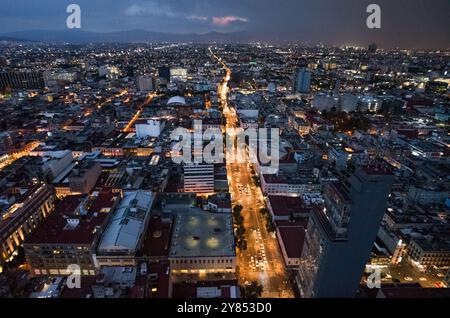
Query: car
pixel 423 279
pixel 408 279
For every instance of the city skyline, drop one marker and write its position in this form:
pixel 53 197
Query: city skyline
pixel 405 24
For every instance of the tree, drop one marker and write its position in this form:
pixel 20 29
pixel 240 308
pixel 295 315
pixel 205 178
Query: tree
pixel 254 290
pixel 263 211
pixel 256 181
pixel 237 209
pixel 270 225
pixel 240 231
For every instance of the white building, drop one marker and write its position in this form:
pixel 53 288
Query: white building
pixel 178 74
pixel 126 230
pixel 149 128
pixel 55 162
pixel 199 178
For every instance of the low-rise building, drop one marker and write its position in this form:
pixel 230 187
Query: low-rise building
pixel 126 231
pixel 69 236
pixel 424 253
pixel 202 243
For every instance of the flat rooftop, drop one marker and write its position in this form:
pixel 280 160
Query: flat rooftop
pixel 202 234
pixel 128 222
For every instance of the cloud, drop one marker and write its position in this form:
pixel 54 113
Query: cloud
pixel 150 9
pixel 225 21
pixel 153 9
pixel 158 10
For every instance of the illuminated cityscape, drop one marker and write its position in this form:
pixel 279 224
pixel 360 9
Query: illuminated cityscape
pixel 330 177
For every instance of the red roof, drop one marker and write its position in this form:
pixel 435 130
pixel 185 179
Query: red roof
pixel 292 238
pixel 157 241
pixel 285 206
pixel 85 288
pixel 54 229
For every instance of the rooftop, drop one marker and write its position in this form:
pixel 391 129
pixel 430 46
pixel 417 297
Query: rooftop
pixel 286 206
pixel 200 234
pixel 292 237
pixel 128 222
pixel 56 229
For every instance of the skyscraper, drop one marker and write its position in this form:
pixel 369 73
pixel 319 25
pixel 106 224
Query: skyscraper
pixel 340 237
pixel 303 81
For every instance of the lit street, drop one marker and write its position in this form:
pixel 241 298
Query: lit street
pixel 262 261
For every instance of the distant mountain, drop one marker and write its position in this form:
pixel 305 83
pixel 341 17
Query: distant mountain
pixel 132 36
pixel 11 39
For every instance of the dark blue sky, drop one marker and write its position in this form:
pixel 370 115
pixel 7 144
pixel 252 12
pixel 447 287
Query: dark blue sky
pixel 405 23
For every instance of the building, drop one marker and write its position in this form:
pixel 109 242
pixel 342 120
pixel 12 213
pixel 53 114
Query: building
pixel 290 240
pixel 424 253
pixel 146 83
pixel 289 184
pixel 164 73
pixel 84 177
pixel 55 163
pixel 340 237
pixel 149 128
pixel 198 178
pixel 202 243
pixel 447 279
pixel 176 101
pixel 284 208
pixel 348 102
pixel 22 219
pixel 303 81
pixel 22 80
pixel 178 74
pixel 370 103
pixel 325 102
pixel 126 231
pixel 70 235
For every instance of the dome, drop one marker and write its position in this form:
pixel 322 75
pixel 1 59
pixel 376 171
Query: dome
pixel 176 100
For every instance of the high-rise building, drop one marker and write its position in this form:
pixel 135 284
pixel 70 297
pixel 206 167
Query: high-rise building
pixel 164 72
pixel 199 178
pixel 146 83
pixel 340 236
pixel 303 81
pixel 22 80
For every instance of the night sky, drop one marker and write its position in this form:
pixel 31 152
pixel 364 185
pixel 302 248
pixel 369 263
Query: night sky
pixel 405 23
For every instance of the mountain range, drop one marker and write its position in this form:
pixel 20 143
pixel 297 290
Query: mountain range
pixel 131 36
